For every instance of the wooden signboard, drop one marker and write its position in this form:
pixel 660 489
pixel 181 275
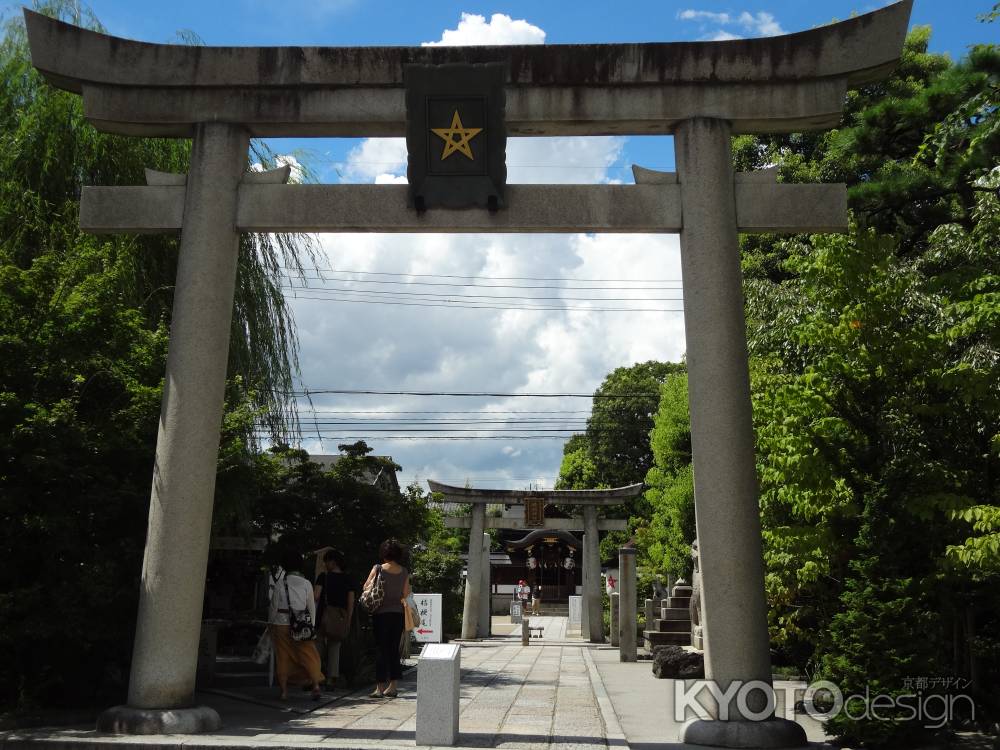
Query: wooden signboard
pixel 534 512
pixel 456 140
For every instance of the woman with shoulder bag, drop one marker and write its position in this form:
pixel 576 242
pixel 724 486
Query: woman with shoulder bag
pixel 290 618
pixel 334 593
pixel 387 615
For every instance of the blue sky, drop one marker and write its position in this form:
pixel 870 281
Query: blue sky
pixel 521 349
pixel 374 22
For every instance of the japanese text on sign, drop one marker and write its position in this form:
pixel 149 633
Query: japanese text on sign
pixel 429 630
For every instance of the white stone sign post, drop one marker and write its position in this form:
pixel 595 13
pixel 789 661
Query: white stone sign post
pixel 438 689
pixel 627 605
pixel 575 613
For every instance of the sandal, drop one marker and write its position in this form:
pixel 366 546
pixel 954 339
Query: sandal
pixel 390 693
pixel 376 693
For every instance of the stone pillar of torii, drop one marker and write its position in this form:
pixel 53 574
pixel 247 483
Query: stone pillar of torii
pixel 701 92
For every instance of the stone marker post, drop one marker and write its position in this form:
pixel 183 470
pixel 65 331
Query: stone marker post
pixel 165 652
pixel 438 689
pixel 614 605
pixel 726 504
pixel 485 608
pixel 584 588
pixel 474 573
pixel 592 561
pixel 627 604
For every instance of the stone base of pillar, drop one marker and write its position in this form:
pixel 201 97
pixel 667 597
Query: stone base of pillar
pixel 773 733
pixel 128 720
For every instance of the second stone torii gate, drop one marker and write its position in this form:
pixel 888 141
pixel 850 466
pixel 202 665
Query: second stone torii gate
pixel 477 523
pixel 701 92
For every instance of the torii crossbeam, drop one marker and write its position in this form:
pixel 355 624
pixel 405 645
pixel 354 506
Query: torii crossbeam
pixel 701 92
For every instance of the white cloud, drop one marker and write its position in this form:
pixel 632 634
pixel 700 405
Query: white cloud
pixel 374 157
pixel 500 29
pixel 760 23
pixel 720 36
pixel 387 347
pixel 704 15
pixel 390 179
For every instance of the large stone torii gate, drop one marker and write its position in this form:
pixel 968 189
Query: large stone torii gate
pixel 701 92
pixel 477 523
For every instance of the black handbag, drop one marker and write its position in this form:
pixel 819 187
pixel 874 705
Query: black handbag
pixel 300 623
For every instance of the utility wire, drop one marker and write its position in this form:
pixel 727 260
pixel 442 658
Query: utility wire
pixel 436 437
pixel 465 306
pixel 527 423
pixel 365 392
pixel 452 295
pixel 478 411
pixel 319 269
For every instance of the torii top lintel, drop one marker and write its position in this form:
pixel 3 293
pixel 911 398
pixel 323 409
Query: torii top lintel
pixel 773 84
pixel 614 496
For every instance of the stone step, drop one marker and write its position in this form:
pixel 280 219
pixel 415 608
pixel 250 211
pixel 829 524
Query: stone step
pixel 675 613
pixel 682 591
pixel 676 602
pixel 655 638
pixel 672 626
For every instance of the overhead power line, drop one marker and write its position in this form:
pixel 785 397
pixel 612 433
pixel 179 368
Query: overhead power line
pixel 451 295
pixel 307 412
pixel 569 279
pixel 464 306
pixel 606 288
pixel 474 394
pixel 436 437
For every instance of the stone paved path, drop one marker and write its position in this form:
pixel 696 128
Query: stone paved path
pixel 513 697
pixel 555 629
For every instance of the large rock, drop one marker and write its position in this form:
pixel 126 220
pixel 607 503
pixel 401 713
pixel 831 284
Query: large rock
pixel 676 663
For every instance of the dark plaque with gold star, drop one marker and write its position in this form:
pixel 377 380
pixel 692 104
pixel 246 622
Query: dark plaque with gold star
pixel 455 135
pixel 534 512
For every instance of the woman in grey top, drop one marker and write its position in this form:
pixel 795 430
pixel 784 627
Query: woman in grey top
pixel 387 620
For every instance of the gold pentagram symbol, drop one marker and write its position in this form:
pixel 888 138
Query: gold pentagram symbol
pixel 462 133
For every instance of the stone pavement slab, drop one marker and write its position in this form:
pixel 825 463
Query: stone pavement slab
pixel 550 695
pixel 644 705
pixel 539 697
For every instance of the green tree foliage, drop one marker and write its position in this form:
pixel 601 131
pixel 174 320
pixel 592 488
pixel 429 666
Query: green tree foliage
pixel 876 378
pixel 664 537
pixel 615 450
pixel 439 571
pixel 616 442
pixel 83 338
pixel 303 506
